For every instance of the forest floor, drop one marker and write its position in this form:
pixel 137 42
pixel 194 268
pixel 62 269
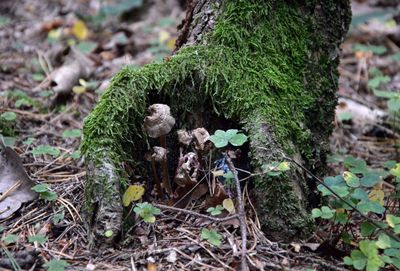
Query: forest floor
pixel 56 60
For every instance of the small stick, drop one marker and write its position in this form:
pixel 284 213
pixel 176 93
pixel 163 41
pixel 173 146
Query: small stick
pixel 241 214
pixel 215 219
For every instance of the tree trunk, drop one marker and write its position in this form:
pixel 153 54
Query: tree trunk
pixel 268 66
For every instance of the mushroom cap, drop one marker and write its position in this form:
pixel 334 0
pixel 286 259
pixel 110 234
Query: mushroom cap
pixel 160 121
pixel 201 136
pixel 157 154
pixel 184 137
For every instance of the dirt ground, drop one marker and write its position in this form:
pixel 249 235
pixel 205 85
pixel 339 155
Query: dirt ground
pixel 57 58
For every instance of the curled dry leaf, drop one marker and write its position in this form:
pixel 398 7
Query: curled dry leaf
pixel 15 184
pixel 160 121
pixel 187 169
pixel 200 136
pixel 77 66
pixel 184 137
pixel 158 154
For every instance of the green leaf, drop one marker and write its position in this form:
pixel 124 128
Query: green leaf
pixel 86 47
pixel 228 175
pixel 386 94
pixel 370 206
pixel 394 104
pixel 283 166
pixel 392 252
pixel 395 171
pixel 359 194
pixel 218 141
pixel 41 239
pixel 316 212
pixel 9 116
pixel 56 265
pixel 378 50
pixel 9 141
pixel 230 133
pixel 326 212
pixel 359 259
pixel 367 229
pixel 9 239
pixel 347 261
pixel 71 133
pixel 58 217
pixel 108 233
pixel 23 101
pixel 1 229
pixel 217 210
pixel 392 220
pixel 45 93
pixel 377 81
pixel 147 211
pixel 76 155
pixel 355 165
pixel 238 140
pixel 40 188
pixel 28 141
pixel 383 241
pixel 351 179
pixel 45 149
pixel 49 195
pixel 212 236
pixel 370 179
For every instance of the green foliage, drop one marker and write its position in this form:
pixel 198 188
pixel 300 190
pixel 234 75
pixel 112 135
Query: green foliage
pixel 212 236
pixel 108 233
pixel 359 185
pixel 378 50
pixel 221 138
pixel 41 239
pixel 217 210
pixel 147 211
pixel 55 265
pixel 9 116
pixel 45 149
pixel 394 99
pixel 71 133
pixel 9 239
pixel 58 217
pixel 45 192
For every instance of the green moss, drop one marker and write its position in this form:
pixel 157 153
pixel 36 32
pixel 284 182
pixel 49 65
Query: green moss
pixel 255 63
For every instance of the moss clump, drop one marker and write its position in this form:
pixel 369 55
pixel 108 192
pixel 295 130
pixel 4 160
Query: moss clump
pixel 254 64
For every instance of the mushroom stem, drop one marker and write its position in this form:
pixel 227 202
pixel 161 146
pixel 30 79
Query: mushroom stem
pixel 156 179
pixel 164 165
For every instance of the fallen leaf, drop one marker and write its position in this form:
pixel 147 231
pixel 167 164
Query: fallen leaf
pixel 229 205
pixel 133 193
pixel 15 184
pixel 80 30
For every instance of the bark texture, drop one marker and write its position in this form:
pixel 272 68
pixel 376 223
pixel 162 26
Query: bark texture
pixel 268 66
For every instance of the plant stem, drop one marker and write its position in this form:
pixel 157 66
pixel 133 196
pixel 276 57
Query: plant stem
pixel 241 214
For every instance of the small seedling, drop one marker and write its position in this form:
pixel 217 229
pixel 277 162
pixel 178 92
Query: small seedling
pixel 222 138
pixel 56 265
pixel 45 192
pixel 46 149
pixel 212 236
pixel 217 210
pixel 41 239
pixel 147 211
pixel 10 238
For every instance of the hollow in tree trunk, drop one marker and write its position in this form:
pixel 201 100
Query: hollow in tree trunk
pixel 269 66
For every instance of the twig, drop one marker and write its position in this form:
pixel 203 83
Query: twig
pixel 372 221
pixel 216 219
pixel 241 214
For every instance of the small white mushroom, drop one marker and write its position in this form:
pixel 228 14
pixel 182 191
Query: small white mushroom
pixel 157 125
pixel 184 137
pixel 159 122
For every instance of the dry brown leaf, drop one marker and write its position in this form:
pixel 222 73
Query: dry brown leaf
pixel 15 184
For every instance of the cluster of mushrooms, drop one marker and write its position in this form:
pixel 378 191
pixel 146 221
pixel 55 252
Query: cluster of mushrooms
pixel 158 124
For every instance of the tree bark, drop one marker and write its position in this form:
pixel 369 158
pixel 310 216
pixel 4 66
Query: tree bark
pixel 268 66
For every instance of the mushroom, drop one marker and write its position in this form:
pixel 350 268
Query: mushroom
pixel 149 157
pixel 157 125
